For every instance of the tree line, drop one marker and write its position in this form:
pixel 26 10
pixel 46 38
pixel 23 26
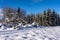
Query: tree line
pixel 47 18
pixel 15 16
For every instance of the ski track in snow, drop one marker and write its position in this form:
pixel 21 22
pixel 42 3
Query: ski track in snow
pixel 46 33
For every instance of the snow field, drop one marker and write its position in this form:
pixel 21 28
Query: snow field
pixel 47 33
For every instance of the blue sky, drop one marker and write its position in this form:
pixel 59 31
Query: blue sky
pixel 32 6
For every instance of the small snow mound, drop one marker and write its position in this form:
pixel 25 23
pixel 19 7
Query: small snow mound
pixel 47 39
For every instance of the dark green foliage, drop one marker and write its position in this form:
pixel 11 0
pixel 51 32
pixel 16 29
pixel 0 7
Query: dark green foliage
pixel 54 18
pixel 44 18
pixel 30 18
pixel 37 18
pixel 47 18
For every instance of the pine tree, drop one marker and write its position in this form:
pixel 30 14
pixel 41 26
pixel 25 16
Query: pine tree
pixel 38 20
pixel 54 19
pixel 41 20
pixel 48 17
pixel 45 19
pixel 30 18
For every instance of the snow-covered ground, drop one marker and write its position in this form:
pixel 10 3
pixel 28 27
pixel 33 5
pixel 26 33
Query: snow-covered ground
pixel 45 33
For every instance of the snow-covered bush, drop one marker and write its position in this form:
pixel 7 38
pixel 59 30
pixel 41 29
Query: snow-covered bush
pixel 6 27
pixel 34 24
pixel 10 28
pixel 2 26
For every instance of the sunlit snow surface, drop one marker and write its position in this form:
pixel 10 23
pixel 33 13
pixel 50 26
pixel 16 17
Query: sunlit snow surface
pixel 45 33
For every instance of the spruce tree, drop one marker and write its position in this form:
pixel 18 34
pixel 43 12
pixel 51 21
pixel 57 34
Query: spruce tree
pixel 48 17
pixel 38 20
pixel 44 18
